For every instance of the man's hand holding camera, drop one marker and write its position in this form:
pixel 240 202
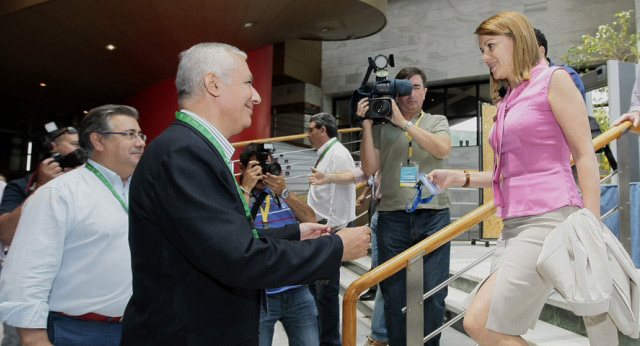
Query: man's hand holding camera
pixel 48 170
pixel 363 108
pixel 251 176
pixel 275 183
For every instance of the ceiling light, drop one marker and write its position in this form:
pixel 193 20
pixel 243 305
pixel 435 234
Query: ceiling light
pixel 85 112
pixel 43 84
pixel 248 25
pixel 324 29
pixel 110 47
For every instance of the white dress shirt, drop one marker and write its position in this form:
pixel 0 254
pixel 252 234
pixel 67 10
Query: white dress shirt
pixel 333 202
pixel 226 146
pixel 70 252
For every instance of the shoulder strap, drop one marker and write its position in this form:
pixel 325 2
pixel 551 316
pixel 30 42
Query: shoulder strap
pixel 256 206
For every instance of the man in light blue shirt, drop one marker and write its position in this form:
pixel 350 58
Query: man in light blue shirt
pixel 70 262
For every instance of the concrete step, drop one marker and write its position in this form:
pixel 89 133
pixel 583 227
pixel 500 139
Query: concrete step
pixel 547 333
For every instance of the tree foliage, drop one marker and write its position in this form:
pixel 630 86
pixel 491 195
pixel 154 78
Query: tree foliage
pixel 611 42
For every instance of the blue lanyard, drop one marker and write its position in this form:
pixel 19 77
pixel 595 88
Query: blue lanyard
pixel 417 199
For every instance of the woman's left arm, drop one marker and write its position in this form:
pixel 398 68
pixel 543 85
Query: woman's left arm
pixel 571 114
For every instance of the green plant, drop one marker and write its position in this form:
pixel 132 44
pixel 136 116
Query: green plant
pixel 602 116
pixel 611 42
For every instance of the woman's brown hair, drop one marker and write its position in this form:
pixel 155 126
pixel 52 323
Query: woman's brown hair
pixel 526 52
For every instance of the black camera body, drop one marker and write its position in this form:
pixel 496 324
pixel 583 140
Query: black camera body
pixel 262 155
pixel 73 159
pixel 380 93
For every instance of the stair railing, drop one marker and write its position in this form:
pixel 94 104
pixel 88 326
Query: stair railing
pixel 411 259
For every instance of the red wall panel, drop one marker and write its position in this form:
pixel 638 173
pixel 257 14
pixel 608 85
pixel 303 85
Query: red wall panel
pixel 158 103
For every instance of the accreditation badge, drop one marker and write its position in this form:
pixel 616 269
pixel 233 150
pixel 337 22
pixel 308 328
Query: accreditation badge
pixel 408 174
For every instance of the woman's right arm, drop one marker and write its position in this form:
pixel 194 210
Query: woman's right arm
pixel 444 178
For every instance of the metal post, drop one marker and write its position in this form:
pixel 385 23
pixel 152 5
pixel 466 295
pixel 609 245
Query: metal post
pixel 415 306
pixel 624 204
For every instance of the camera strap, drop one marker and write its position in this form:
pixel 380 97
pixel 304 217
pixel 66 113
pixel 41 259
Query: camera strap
pixel 410 138
pixel 334 141
pixel 258 204
pixel 104 180
pixel 186 118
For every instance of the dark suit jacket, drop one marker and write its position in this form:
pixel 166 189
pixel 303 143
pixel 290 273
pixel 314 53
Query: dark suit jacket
pixel 197 270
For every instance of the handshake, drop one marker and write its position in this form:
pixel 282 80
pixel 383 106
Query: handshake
pixel 355 240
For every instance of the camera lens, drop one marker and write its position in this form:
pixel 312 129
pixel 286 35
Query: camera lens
pixel 380 108
pixel 274 168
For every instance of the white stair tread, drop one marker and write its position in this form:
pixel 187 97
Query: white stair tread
pixel 547 334
pixel 364 262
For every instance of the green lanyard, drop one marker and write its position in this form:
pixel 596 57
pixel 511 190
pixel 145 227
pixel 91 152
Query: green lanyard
pixel 193 122
pixel 106 183
pixel 335 140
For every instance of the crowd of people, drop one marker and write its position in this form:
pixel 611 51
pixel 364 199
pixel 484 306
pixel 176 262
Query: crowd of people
pixel 162 245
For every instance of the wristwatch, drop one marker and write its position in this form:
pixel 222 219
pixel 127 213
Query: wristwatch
pixel 406 127
pixel 285 193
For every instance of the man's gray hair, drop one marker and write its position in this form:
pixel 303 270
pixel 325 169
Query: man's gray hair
pixel 328 121
pixel 199 60
pixel 97 120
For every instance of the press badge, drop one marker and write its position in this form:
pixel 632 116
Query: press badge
pixel 408 174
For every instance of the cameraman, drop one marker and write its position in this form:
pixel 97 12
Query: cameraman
pixel 415 142
pixel 294 306
pixel 60 142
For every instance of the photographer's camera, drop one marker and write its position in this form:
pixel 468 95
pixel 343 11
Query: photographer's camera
pixel 262 155
pixel 73 159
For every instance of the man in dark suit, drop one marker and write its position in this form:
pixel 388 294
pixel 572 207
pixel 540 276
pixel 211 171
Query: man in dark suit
pixel 199 266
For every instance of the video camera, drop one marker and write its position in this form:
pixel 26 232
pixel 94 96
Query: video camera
pixel 380 92
pixel 73 159
pixel 262 155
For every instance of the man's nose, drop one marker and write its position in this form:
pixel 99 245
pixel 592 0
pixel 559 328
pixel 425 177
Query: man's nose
pixel 255 96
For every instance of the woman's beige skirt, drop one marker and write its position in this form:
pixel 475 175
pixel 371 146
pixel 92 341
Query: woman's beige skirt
pixel 520 292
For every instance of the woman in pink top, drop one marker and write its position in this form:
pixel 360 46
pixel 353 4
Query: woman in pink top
pixel 541 121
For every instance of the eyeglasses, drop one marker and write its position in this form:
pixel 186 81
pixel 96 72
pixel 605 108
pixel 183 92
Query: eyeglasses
pixel 309 130
pixel 130 134
pixel 59 132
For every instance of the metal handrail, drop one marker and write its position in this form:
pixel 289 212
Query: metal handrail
pixel 448 233
pixel 287 138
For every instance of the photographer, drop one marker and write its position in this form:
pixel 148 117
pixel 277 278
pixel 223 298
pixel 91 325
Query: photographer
pixel 273 205
pixel 414 142
pixel 254 181
pixel 60 144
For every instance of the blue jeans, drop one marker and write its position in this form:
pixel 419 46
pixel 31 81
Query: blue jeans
pixel 296 309
pixel 328 301
pixel 398 231
pixel 378 326
pixel 67 331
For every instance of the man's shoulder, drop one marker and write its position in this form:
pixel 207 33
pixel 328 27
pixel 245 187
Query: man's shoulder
pixel 69 179
pixel 179 138
pixel 437 117
pixel 19 184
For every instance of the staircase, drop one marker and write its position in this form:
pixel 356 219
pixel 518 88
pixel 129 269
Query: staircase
pixel 556 327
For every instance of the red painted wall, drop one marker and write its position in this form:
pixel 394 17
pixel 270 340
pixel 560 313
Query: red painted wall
pixel 158 103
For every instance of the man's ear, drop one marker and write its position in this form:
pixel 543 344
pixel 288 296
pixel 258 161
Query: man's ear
pixel 97 141
pixel 52 147
pixel 212 84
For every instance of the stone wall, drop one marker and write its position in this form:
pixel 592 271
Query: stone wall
pixel 437 35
